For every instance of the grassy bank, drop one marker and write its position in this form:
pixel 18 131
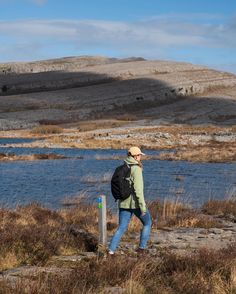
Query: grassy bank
pixel 205 271
pixel 32 234
pixel 198 143
pixel 214 152
pixel 12 157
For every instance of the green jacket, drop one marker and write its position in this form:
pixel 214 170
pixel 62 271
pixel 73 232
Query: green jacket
pixel 137 200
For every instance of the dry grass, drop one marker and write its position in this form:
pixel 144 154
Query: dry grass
pixel 214 152
pixel 47 129
pixel 193 219
pixel 85 126
pixel 224 208
pixel 183 138
pixel 177 214
pixel 163 211
pixel 180 137
pixel 205 271
pixel 32 157
pixel 32 234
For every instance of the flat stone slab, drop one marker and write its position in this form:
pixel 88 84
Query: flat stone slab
pixel 195 238
pixel 75 258
pixel 28 272
pixel 182 239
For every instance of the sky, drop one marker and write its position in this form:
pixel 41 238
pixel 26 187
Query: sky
pixel 196 31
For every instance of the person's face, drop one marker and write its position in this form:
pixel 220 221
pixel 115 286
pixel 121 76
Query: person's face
pixel 138 157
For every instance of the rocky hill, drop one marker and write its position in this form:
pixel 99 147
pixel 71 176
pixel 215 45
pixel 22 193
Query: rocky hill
pixel 73 89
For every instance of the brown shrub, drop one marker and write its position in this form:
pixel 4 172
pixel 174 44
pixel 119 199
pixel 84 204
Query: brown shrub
pixel 30 244
pixel 47 156
pixel 176 214
pixel 31 234
pixel 7 215
pixel 34 213
pixel 47 129
pixel 163 211
pixel 193 219
pixel 80 214
pixel 205 271
pixel 220 207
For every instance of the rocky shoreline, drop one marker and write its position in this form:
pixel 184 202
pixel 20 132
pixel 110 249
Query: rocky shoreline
pixel 181 142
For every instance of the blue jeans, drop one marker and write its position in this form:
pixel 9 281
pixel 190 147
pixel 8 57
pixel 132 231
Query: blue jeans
pixel 125 216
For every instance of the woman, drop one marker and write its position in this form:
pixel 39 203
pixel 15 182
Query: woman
pixel 134 204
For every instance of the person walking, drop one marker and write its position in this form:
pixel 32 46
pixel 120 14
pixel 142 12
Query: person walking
pixel 134 204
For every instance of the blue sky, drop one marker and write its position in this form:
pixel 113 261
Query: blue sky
pixel 196 31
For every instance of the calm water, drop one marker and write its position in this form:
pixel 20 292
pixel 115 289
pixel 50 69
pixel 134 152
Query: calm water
pixel 4 141
pixel 51 181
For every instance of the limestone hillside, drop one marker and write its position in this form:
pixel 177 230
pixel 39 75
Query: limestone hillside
pixel 69 90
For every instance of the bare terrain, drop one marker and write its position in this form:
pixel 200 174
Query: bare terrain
pixel 106 102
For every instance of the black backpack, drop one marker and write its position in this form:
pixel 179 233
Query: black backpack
pixel 121 187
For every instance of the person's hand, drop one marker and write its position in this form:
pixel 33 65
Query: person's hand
pixel 143 213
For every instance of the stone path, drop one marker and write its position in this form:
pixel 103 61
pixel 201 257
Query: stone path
pixel 188 238
pixel 182 240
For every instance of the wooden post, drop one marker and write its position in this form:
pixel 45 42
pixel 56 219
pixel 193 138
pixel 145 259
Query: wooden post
pixel 102 220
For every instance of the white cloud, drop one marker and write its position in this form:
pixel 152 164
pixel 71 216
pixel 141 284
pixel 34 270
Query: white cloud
pixel 158 34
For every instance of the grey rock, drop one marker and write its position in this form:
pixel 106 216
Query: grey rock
pixel 216 231
pixel 31 271
pixel 182 245
pixel 78 88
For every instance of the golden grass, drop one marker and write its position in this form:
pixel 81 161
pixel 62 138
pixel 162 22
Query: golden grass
pixel 32 157
pixel 177 137
pixel 32 234
pixel 204 271
pixel 9 260
pixel 47 129
pixel 221 152
pixel 220 207
pixel 233 274
pixel 177 214
pixel 85 126
pixel 181 137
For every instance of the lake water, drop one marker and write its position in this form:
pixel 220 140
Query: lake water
pixel 4 141
pixel 51 181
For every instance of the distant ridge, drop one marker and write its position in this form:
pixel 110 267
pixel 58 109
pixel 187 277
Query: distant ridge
pixel 72 89
pixel 60 64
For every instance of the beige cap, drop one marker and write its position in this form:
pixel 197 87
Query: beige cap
pixel 135 151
